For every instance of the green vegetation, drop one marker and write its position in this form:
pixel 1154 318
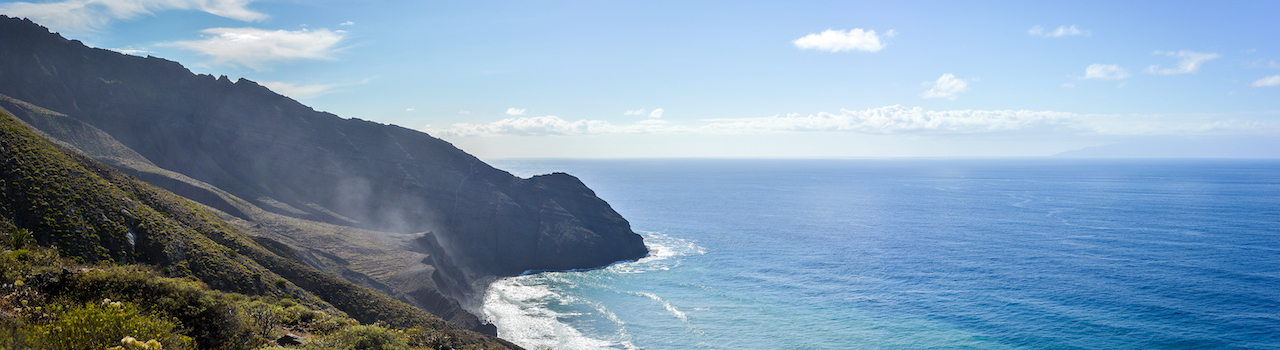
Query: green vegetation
pixel 101 325
pixel 51 303
pixel 169 270
pixel 97 306
pixel 19 238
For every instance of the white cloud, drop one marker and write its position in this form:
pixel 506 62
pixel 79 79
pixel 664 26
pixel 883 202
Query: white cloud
pixel 131 51
pixel 547 125
pixel 635 112
pixel 515 111
pixel 259 48
pixel 839 40
pixel 92 15
pixel 1273 80
pixel 897 119
pixel 1190 62
pixel 1105 72
pixel 657 113
pixel 464 112
pixel 300 91
pixel 347 23
pixel 1057 33
pixel 947 86
pixel 411 109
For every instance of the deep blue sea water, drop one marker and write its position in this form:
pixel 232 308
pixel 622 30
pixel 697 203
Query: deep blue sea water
pixel 918 254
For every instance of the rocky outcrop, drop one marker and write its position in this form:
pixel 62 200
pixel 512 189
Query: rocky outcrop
pixel 288 159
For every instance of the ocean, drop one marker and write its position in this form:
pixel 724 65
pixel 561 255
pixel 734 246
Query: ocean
pixel 917 254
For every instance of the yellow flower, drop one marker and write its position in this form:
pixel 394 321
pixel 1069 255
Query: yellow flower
pixel 18 283
pixel 152 344
pixel 127 339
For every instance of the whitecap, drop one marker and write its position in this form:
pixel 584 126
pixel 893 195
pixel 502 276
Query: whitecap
pixel 665 304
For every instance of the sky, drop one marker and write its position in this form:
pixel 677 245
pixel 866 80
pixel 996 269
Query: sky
pixel 776 79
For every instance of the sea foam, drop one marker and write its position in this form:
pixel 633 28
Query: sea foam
pixel 540 311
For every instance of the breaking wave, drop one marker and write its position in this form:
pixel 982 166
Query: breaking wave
pixel 549 310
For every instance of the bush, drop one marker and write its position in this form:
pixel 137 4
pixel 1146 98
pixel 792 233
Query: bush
pixel 211 317
pixel 17 264
pixel 367 337
pixel 102 325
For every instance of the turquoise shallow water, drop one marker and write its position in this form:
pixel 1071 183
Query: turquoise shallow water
pixel 918 254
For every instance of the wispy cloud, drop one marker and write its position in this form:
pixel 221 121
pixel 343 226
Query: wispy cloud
pixel 549 125
pixel 260 48
pixel 1269 64
pixel 131 51
pixel 634 112
pixel 1273 80
pixel 347 23
pixel 947 86
pixel 896 119
pixel 840 40
pixel 1062 31
pixel 515 111
pixel 1105 72
pixel 1189 62
pixel 657 113
pixel 301 91
pixel 93 15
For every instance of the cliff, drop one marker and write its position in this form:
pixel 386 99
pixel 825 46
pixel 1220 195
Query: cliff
pixel 384 206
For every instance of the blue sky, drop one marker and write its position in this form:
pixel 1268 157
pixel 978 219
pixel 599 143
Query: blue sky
pixel 741 78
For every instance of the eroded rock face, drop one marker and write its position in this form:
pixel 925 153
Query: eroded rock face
pixel 287 158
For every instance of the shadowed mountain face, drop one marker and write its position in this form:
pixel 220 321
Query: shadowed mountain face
pixel 286 158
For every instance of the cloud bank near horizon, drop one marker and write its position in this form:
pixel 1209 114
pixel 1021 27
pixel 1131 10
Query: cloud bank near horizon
pixel 886 120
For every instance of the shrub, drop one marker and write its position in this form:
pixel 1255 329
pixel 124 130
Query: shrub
pixel 210 316
pixel 102 325
pixel 367 337
pixel 17 264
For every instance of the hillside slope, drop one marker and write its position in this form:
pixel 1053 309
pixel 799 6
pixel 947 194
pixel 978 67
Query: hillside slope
pixel 94 213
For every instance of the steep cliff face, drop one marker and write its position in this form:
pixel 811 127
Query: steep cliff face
pixel 286 158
